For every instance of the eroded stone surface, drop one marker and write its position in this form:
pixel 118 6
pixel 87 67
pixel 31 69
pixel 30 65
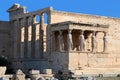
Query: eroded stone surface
pixel 34 72
pixel 2 71
pixel 19 75
pixel 47 71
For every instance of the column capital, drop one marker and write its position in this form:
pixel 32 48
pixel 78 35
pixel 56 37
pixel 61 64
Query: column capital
pixel 69 31
pixel 33 18
pixel 18 19
pixel 24 21
pixel 94 32
pixel 82 32
pixel 105 33
pixel 52 33
pixel 41 14
pixel 60 31
pixel 24 18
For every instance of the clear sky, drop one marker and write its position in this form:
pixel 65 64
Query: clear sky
pixel 96 7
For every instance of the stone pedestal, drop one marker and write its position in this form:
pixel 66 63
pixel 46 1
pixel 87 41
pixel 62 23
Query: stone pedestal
pixel 2 71
pixel 47 71
pixel 35 75
pixel 19 75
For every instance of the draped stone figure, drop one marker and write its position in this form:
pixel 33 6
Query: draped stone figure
pixel 69 40
pixel 82 42
pixel 105 42
pixel 94 42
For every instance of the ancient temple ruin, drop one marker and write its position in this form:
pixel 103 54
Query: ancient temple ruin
pixel 66 42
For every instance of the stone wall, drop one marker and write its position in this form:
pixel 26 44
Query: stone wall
pixel 109 59
pixel 5 39
pixel 59 61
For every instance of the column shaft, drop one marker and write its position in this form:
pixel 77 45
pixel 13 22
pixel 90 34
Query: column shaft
pixel 26 39
pixel 41 48
pixel 19 38
pixel 69 41
pixel 33 37
pixel 93 42
pixel 60 37
pixel 15 46
pixel 82 45
pixel 52 41
pixel 29 36
pixel 22 28
pixel 105 42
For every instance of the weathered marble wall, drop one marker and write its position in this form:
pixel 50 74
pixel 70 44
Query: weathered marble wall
pixel 5 39
pixel 108 59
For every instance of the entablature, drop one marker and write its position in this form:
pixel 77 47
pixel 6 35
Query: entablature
pixel 77 25
pixel 31 14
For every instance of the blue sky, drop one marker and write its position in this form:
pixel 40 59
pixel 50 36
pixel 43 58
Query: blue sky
pixel 96 7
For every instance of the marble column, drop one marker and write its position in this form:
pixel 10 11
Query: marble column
pixel 69 40
pixel 93 42
pixel 82 45
pixel 22 38
pixel 33 37
pixel 60 37
pixel 19 38
pixel 26 38
pixel 105 42
pixel 29 36
pixel 14 41
pixel 52 41
pixel 41 35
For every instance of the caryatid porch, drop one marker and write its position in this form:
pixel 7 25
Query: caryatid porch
pixel 72 36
